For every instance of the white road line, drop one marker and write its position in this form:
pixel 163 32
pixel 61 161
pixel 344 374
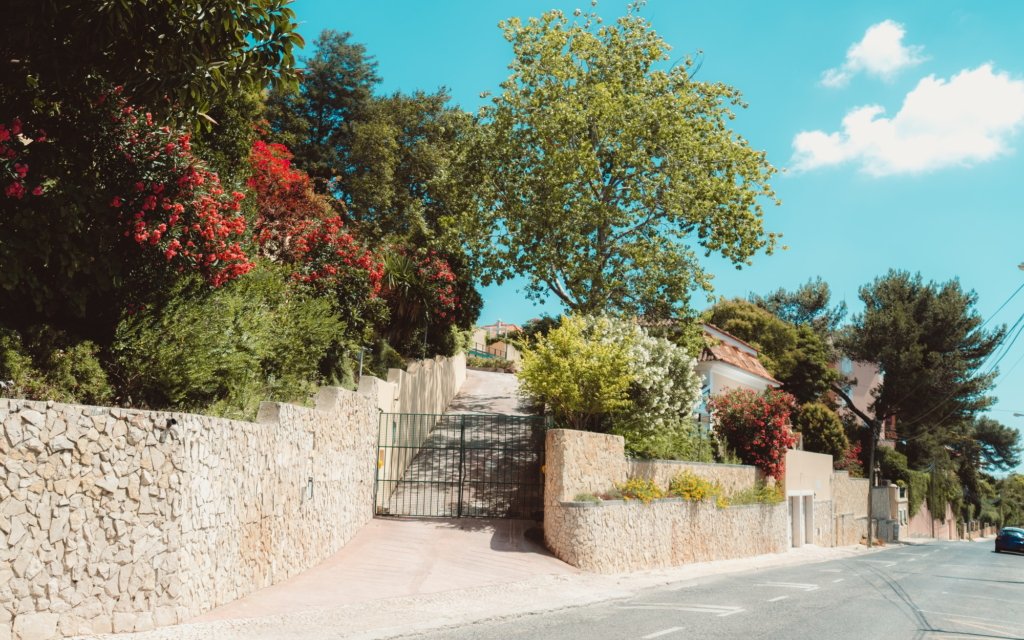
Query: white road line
pixel 839 579
pixel 804 586
pixel 663 632
pixel 777 598
pixel 831 570
pixel 720 611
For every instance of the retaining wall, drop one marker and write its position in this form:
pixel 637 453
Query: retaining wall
pixel 618 536
pixel 115 520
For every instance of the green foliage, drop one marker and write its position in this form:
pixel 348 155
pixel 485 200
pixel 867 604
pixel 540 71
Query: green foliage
pixel 760 493
pixel 822 430
pixel 605 374
pixel 681 439
pixel 493 364
pixel 893 465
pixel 170 55
pixel 795 355
pixel 586 497
pixel 693 488
pixel 929 341
pixel 605 172
pixel 1010 500
pixel 224 351
pixel 640 489
pixel 756 426
pixel 579 376
pixel 808 306
pixel 49 366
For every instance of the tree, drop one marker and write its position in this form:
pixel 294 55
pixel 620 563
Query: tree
pixel 931 347
pixel 807 305
pixel 822 431
pixel 391 166
pixel 172 56
pixel 606 171
pixel 795 355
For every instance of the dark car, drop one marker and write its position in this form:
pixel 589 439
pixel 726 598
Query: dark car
pixel 1010 539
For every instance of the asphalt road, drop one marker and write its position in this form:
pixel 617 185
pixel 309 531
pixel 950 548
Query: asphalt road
pixel 940 590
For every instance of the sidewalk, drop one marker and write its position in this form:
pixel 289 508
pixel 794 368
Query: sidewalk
pixel 434 600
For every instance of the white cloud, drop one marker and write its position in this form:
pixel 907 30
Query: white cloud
pixel 963 121
pixel 880 53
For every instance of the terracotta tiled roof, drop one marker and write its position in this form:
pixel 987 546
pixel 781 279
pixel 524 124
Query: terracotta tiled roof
pixel 729 354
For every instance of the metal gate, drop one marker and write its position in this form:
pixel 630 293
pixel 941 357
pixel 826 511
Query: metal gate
pixel 455 466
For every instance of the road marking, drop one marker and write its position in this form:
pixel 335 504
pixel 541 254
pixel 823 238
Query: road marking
pixel 838 580
pixel 720 611
pixel 882 562
pixel 805 586
pixel 831 570
pixel 777 598
pixel 664 632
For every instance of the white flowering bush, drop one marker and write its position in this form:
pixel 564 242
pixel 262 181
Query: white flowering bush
pixel 607 374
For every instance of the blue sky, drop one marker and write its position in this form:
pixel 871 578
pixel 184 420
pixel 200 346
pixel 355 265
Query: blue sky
pixel 899 125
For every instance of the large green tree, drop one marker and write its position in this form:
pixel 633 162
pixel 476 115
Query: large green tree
pixel 932 347
pixel 809 304
pixel 608 169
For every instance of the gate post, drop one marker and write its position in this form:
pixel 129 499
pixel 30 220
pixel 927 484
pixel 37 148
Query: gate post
pixel 462 459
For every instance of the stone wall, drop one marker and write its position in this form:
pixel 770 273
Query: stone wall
pixel 122 520
pixel 428 386
pixel 617 536
pixel 924 525
pixel 850 508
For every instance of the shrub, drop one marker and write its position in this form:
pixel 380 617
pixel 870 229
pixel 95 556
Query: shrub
pixel 586 497
pixel 693 488
pixel 640 489
pixel 47 365
pixel 822 430
pixel 494 364
pixel 223 351
pixel 606 374
pixel 760 493
pixel 756 426
pixel 581 377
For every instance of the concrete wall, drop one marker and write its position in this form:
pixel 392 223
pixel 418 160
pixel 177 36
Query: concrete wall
pixel 626 536
pixel 111 521
pixel 809 473
pixel 926 525
pixel 428 386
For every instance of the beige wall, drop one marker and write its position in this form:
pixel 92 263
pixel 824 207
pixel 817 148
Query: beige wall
pixel 428 386
pixel 924 525
pixel 850 508
pixel 110 521
pixel 618 536
pixel 809 472
pixel 615 536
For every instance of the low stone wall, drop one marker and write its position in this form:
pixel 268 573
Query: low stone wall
pixel 732 477
pixel 626 536
pixel 618 536
pixel 122 520
pixel 428 386
pixel 824 524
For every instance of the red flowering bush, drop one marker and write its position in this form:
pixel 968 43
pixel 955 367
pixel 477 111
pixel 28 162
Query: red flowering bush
pixel 284 198
pixel 15 144
pixel 327 257
pixel 174 205
pixel 756 426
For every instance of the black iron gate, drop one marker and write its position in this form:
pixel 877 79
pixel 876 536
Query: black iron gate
pixel 454 466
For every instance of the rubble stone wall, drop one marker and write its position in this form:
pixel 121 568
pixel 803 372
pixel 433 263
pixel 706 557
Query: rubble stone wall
pixel 116 520
pixel 614 536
